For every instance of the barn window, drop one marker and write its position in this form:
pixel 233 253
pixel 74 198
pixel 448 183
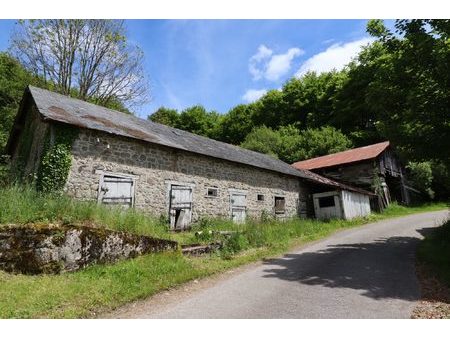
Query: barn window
pixel 212 192
pixel 260 197
pixel 325 202
pixel 280 205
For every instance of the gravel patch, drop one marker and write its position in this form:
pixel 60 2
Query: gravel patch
pixel 435 296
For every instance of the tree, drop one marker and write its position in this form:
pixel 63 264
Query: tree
pixel 409 89
pixel 441 180
pixel 310 100
pixel 198 121
pixel 322 141
pixel 89 59
pixel 354 114
pixel 421 176
pixel 13 80
pixel 169 117
pixel 269 109
pixel 290 144
pixel 236 124
pixel 263 140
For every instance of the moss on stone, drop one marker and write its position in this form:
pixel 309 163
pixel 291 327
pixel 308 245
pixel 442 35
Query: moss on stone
pixel 31 248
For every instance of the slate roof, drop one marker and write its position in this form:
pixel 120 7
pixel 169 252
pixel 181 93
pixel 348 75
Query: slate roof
pixel 344 157
pixel 56 107
pixel 61 108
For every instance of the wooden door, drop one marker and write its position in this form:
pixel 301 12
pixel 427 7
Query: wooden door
pixel 238 203
pixel 180 207
pixel 117 191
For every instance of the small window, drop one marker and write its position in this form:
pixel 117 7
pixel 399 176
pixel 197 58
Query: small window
pixel 212 192
pixel 325 202
pixel 280 205
pixel 260 197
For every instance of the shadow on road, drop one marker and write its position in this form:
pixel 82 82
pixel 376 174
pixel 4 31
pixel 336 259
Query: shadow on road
pixel 380 269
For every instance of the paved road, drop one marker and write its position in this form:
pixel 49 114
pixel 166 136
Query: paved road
pixel 366 272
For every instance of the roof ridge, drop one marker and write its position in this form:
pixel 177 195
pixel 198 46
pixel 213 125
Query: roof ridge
pixel 146 121
pixel 66 109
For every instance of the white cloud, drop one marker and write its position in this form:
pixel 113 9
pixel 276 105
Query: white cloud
pixel 334 57
pixel 263 53
pixel 280 64
pixel 252 95
pixel 264 64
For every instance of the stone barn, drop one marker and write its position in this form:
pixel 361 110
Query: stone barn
pixel 374 167
pixel 119 159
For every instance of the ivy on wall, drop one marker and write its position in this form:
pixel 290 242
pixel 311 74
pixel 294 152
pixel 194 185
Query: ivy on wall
pixel 56 158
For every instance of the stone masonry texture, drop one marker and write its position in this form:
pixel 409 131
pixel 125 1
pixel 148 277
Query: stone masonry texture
pixel 155 166
pixel 34 249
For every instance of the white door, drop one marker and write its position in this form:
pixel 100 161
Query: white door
pixel 117 190
pixel 238 203
pixel 327 206
pixel 180 206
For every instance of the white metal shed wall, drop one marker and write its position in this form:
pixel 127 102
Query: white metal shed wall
pixel 341 204
pixel 355 204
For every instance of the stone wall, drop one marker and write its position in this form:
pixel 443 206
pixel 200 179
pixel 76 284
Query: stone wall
pixel 156 167
pixel 37 249
pixel 28 150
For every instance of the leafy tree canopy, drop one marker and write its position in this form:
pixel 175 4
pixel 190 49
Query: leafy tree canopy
pixel 14 78
pixel 169 117
pixel 290 144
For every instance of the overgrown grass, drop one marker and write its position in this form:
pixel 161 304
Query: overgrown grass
pixel 270 233
pixel 84 293
pixel 21 205
pixel 434 252
pixel 102 288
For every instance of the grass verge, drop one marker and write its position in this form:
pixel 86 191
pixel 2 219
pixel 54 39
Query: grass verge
pixel 434 252
pixel 433 271
pixel 102 288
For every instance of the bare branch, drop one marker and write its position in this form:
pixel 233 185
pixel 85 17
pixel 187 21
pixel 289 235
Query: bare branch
pixel 88 57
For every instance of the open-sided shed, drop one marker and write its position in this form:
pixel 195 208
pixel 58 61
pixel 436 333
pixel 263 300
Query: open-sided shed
pixel 331 199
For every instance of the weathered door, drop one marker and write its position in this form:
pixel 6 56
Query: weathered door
pixel 238 203
pixel 117 190
pixel 180 207
pixel 327 205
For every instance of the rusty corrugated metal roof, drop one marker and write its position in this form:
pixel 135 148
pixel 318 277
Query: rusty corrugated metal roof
pixel 344 157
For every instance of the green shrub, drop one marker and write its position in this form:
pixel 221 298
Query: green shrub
pixel 421 175
pixel 205 235
pixel 233 244
pixel 204 223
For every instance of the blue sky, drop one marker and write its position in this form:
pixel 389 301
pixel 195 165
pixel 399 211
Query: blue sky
pixel 221 63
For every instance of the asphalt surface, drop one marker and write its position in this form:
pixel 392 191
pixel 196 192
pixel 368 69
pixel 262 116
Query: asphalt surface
pixel 366 272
